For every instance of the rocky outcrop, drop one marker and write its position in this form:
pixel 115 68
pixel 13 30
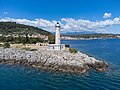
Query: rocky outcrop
pixel 53 60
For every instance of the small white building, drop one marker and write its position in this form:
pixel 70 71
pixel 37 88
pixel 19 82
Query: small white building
pixel 57 45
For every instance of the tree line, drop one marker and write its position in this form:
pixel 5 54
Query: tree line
pixel 24 40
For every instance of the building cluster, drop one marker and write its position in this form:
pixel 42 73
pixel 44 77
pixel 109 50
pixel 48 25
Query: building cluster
pixel 90 37
pixel 68 38
pixel 118 36
pixel 44 37
pixel 56 46
pixel 39 36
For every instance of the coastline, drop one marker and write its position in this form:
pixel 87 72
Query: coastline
pixel 52 60
pixel 90 38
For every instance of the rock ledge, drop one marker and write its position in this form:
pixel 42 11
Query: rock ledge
pixel 53 60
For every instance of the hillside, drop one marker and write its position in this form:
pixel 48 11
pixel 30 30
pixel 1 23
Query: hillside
pixel 91 36
pixel 20 29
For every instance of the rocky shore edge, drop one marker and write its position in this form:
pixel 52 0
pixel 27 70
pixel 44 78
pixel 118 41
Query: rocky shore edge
pixel 52 60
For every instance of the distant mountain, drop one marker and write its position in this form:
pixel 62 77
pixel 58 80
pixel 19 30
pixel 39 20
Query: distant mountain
pixel 76 33
pixel 15 28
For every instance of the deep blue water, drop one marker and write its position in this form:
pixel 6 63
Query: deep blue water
pixel 18 77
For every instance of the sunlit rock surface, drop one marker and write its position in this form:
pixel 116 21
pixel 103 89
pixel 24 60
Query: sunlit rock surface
pixel 53 60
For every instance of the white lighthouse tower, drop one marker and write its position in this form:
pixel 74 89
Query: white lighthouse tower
pixel 57 35
pixel 57 45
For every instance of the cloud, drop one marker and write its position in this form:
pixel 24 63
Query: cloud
pixel 5 13
pixel 107 15
pixel 42 23
pixel 68 24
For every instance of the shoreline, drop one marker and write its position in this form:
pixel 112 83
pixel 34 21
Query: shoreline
pixel 90 39
pixel 52 60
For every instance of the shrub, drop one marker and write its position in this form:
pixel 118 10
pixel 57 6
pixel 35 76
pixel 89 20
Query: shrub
pixel 73 50
pixel 51 39
pixel 67 45
pixel 33 49
pixel 6 45
pixel 1 45
pixel 29 49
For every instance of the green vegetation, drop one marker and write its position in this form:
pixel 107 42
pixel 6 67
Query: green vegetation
pixel 29 49
pixel 51 39
pixel 67 45
pixel 33 49
pixel 24 40
pixel 8 30
pixel 20 29
pixel 6 45
pixel 73 50
pixel 1 45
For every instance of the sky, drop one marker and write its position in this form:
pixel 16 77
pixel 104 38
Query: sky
pixel 102 16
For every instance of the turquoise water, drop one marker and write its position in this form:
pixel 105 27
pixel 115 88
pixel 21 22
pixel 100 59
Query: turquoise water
pixel 18 77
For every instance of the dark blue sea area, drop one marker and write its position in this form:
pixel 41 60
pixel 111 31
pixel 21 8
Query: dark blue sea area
pixel 19 77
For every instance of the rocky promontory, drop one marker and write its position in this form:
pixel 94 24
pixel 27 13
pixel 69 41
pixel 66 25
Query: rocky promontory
pixel 53 60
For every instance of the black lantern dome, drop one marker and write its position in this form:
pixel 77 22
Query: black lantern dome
pixel 57 25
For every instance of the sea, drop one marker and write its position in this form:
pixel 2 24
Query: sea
pixel 19 77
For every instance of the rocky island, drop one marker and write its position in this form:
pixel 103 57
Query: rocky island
pixel 53 60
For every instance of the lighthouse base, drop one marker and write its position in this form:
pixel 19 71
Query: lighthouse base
pixel 56 47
